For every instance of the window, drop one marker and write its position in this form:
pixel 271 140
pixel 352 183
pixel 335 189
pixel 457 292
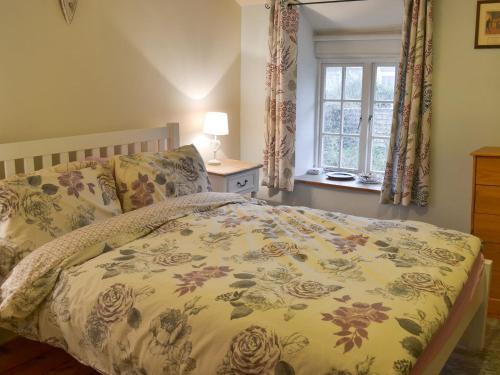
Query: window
pixel 356 116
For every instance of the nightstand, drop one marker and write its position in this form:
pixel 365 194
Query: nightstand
pixel 234 176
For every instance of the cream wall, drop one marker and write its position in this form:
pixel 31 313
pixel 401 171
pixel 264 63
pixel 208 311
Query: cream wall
pixel 254 21
pixel 122 64
pixel 466 116
pixel 307 73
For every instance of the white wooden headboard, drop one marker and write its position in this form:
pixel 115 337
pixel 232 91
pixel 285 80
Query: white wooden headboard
pixel 33 155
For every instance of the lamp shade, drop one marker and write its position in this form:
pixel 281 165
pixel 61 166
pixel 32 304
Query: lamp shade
pixel 216 123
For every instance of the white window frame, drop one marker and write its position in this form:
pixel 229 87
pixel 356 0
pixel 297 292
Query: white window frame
pixel 371 136
pixel 370 64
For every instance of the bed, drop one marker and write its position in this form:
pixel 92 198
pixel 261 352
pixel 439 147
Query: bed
pixel 213 283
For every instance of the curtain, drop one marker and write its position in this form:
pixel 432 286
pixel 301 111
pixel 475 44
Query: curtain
pixel 281 95
pixel 408 164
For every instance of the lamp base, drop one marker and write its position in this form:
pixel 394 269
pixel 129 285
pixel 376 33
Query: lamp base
pixel 214 162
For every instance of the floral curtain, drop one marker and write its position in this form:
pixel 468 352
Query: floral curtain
pixel 407 173
pixel 281 90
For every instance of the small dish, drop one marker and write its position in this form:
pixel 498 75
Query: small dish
pixel 344 176
pixel 369 179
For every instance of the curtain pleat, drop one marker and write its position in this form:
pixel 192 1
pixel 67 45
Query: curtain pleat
pixel 281 97
pixel 407 172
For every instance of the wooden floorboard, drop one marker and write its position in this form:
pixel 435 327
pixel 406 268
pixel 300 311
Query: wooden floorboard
pixel 15 353
pixel 25 357
pixel 72 368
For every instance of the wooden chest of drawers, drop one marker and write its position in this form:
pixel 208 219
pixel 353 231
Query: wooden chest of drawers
pixel 486 214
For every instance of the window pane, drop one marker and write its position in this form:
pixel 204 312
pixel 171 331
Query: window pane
pixel 353 83
pixel 331 150
pixel 331 117
pixel 350 152
pixel 384 84
pixel 352 117
pixel 379 154
pixel 382 119
pixel 333 83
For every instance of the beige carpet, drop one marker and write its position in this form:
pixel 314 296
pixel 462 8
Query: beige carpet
pixel 486 362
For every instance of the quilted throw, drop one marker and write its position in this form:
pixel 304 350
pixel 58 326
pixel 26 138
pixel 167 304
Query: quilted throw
pixel 217 284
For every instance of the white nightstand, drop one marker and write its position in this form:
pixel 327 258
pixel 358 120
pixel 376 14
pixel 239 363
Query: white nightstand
pixel 234 176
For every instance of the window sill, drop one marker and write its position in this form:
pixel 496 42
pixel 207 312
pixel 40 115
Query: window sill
pixel 322 181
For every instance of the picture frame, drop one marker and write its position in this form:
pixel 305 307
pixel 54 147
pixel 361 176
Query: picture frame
pixel 487 24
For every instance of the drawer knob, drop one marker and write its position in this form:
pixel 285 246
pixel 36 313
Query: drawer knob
pixel 242 184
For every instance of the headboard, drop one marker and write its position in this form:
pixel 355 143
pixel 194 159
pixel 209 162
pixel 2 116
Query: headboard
pixel 34 155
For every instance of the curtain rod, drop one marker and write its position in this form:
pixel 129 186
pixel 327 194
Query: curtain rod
pixel 298 4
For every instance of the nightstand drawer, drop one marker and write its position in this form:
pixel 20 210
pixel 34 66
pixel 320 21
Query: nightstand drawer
pixel 243 182
pixel 234 176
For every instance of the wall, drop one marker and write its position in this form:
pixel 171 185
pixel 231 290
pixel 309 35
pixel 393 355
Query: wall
pixel 380 45
pixel 466 96
pixel 307 73
pixel 122 64
pixel 254 27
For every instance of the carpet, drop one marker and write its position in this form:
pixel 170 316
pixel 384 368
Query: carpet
pixel 487 362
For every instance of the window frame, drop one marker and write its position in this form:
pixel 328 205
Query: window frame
pixel 373 101
pixel 370 65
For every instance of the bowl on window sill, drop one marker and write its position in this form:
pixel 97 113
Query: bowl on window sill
pixel 369 179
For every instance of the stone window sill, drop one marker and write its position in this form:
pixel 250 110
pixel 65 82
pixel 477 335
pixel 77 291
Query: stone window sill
pixel 322 181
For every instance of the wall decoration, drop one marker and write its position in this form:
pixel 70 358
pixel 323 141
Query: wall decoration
pixel 69 9
pixel 488 24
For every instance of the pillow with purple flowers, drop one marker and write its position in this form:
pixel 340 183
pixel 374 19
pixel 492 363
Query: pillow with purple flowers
pixel 149 177
pixel 40 206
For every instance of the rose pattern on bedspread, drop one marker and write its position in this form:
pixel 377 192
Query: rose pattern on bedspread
pixel 230 287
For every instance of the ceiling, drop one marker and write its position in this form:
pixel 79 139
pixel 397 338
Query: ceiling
pixel 250 2
pixel 362 16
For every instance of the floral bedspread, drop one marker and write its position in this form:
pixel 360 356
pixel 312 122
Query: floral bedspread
pixel 216 284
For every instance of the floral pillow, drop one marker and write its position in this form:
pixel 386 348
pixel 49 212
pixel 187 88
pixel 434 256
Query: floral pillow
pixel 146 178
pixel 36 208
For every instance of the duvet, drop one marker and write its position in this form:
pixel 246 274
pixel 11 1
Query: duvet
pixel 218 284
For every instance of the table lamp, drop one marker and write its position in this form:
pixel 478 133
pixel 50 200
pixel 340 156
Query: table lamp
pixel 215 124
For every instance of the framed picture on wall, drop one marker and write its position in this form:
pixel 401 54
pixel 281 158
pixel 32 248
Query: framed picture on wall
pixel 488 24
